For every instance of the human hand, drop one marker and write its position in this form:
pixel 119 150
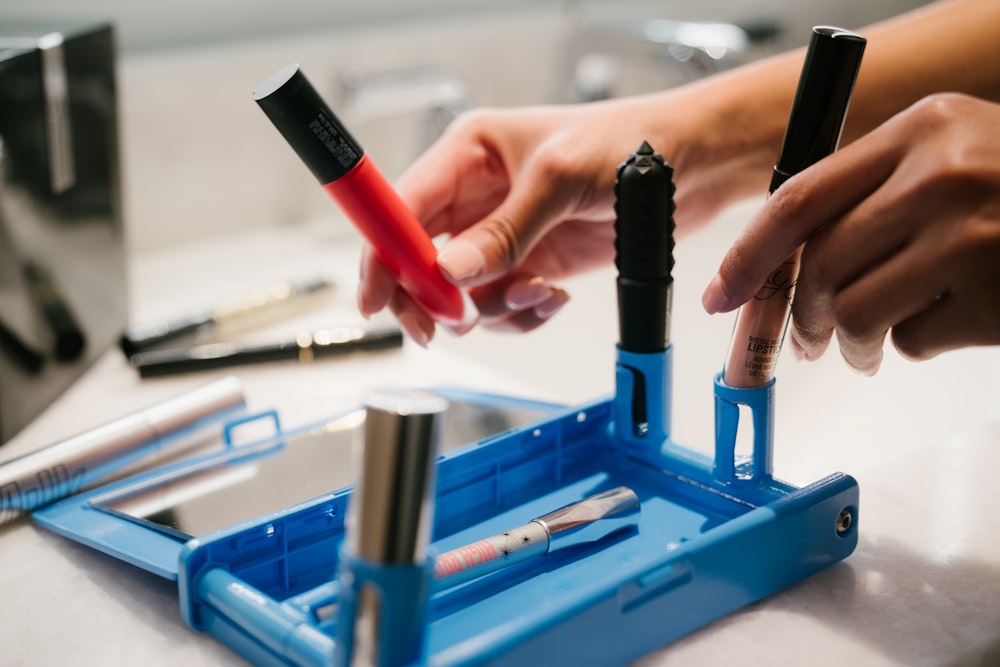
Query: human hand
pixel 901 232
pixel 527 197
pixel 489 167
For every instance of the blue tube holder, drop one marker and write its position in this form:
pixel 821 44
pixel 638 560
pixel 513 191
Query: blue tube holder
pixel 401 593
pixel 714 534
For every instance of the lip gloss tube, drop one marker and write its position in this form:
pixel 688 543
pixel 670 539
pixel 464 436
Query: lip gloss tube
pixel 813 132
pixel 353 180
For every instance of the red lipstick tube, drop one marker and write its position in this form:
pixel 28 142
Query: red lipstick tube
pixel 349 175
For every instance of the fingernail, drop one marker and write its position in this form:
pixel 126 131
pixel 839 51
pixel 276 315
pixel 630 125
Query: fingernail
pixel 462 260
pixel 409 324
pixel 526 294
pixel 551 306
pixel 798 351
pixel 714 299
pixel 362 306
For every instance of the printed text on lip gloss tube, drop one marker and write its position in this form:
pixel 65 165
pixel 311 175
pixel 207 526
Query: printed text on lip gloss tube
pixel 765 351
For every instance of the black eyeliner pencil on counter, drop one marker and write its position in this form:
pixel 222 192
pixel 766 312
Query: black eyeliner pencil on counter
pixel 26 357
pixel 304 348
pixel 69 338
pixel 258 303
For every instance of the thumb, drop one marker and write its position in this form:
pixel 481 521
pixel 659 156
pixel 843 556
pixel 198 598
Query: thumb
pixel 499 242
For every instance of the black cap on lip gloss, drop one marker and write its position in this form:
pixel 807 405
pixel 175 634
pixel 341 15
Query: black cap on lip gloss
pixel 820 107
pixel 308 124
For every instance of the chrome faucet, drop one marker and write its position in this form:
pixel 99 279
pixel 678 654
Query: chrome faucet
pixel 611 58
pixel 431 91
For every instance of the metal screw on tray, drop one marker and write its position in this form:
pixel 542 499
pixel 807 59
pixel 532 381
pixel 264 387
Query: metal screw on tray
pixel 845 520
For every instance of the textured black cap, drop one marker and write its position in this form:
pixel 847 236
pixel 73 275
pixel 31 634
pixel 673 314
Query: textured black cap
pixel 820 107
pixel 644 245
pixel 644 216
pixel 308 124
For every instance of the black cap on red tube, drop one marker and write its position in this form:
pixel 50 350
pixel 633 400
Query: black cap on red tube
pixel 308 124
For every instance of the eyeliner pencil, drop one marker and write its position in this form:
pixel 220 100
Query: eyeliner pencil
pixel 26 357
pixel 142 337
pixel 304 348
pixel 69 338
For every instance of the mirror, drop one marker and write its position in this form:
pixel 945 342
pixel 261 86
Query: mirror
pixel 260 478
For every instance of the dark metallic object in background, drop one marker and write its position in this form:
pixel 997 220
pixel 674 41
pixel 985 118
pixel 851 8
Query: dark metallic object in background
pixel 60 209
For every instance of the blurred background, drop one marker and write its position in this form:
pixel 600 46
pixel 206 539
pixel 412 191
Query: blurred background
pixel 199 158
pixel 206 200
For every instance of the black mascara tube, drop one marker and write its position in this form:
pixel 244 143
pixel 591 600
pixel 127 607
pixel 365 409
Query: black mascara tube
pixel 644 245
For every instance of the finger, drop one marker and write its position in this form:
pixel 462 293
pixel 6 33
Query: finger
pixel 428 185
pixel 413 320
pixel 811 350
pixel 376 286
pixel 894 291
pixel 833 257
pixel 531 318
pixel 944 325
pixel 501 299
pixel 501 240
pixel 802 205
pixel 457 181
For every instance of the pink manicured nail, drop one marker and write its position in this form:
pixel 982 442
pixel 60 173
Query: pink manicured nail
pixel 714 299
pixel 526 294
pixel 411 326
pixel 362 306
pixel 551 306
pixel 461 260
pixel 798 351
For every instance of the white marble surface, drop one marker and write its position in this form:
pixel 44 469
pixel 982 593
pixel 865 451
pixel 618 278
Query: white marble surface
pixel 923 587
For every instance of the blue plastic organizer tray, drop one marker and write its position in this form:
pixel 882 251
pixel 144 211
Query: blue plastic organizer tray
pixel 714 534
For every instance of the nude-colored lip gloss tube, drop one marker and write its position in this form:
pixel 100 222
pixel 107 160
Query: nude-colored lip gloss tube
pixel 350 176
pixel 814 126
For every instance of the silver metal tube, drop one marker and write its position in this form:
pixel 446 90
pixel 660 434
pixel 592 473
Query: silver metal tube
pixel 59 470
pixel 389 520
pixel 391 512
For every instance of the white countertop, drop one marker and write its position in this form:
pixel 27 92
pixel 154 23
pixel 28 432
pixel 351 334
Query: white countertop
pixel 923 440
